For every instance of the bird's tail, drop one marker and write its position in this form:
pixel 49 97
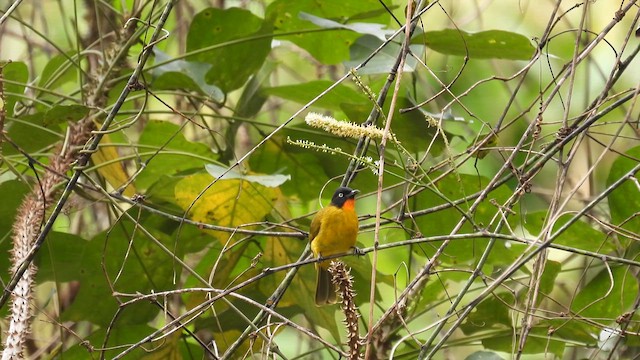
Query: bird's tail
pixel 325 289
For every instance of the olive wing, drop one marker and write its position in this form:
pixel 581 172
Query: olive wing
pixel 316 224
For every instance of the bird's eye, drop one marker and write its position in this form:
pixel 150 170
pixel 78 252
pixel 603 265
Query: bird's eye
pixel 340 195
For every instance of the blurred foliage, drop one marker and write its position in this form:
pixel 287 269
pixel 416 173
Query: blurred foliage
pixel 476 188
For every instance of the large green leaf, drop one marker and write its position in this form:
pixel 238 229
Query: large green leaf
pixel 579 235
pixel 58 71
pixel 442 222
pixel 384 60
pixel 305 92
pixel 132 262
pixel 608 295
pixel 331 46
pixel 167 152
pixel 492 313
pixel 624 201
pixel 60 257
pixel 538 342
pixel 304 168
pixel 61 114
pixel 13 192
pixel 181 74
pixel 16 74
pixel 175 346
pixel 491 44
pixel 32 133
pixel 236 52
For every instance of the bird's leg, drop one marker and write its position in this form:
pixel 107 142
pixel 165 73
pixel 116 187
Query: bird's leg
pixel 357 251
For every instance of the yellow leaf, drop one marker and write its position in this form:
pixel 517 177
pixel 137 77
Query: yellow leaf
pixel 230 203
pixel 110 169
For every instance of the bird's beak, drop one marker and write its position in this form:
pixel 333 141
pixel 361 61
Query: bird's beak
pixel 354 192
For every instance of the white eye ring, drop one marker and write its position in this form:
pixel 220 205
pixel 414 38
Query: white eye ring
pixel 340 195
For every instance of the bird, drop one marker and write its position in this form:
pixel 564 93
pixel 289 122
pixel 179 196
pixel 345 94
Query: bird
pixel 334 230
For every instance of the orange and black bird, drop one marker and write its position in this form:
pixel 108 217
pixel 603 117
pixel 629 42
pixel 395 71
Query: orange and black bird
pixel 334 230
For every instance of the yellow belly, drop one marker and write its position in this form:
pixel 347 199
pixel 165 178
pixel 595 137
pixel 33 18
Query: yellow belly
pixel 338 232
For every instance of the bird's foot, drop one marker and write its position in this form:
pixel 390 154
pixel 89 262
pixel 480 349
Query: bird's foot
pixel 357 251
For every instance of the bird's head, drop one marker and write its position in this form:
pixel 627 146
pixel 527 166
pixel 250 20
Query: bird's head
pixel 344 197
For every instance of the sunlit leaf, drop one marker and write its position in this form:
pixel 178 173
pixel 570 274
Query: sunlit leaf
pixel 111 168
pixel 230 203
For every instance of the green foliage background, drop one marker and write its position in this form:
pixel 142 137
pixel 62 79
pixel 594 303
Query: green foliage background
pixel 508 214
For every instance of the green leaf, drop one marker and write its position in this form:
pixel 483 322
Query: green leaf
pixel 167 152
pixel 624 201
pixel 492 313
pixel 181 74
pixel 483 355
pixel 491 44
pixel 548 279
pixel 232 58
pixel 384 60
pixel 329 47
pixel 571 330
pixel 132 262
pixel 538 342
pixel 377 30
pixel 305 168
pixel 305 92
pixel 13 192
pixel 579 235
pixel 253 97
pixel 607 295
pixel 444 221
pixel 18 73
pixel 58 258
pixel 131 334
pixel 31 133
pixel 60 114
pixel 414 130
pixel 58 71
